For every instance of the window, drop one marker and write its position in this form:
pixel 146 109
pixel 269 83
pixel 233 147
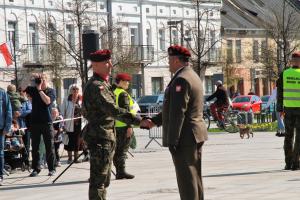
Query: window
pixel 264 51
pixel 157 85
pixel 238 51
pixel 70 34
pixel 188 37
pixel 135 9
pixel 32 2
pixel 187 12
pixel 120 8
pixel 103 37
pixel 67 83
pixel 211 13
pixel 101 6
pixel 174 12
pixel 161 10
pixel 51 31
pixel 50 3
pixel 33 38
pixel 229 51
pixel 148 37
pixel 134 36
pixel 119 37
pixel 69 4
pixel 174 37
pixel 212 52
pixel 208 85
pixel 12 32
pixel 161 35
pixel 33 41
pixel 147 10
pixel 255 51
pixel 11 0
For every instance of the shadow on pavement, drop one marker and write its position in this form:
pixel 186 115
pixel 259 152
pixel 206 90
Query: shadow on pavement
pixel 244 173
pixel 18 186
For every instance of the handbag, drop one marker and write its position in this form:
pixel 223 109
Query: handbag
pixel 65 138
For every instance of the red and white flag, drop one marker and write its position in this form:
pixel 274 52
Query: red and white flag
pixel 5 55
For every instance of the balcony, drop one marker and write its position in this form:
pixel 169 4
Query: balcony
pixel 136 53
pixel 35 55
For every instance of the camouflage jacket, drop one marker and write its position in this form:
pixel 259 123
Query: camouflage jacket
pixel 100 110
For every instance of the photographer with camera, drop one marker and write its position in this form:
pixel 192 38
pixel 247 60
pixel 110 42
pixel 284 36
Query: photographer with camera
pixel 41 121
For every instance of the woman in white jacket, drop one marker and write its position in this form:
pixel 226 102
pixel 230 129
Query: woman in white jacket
pixel 71 108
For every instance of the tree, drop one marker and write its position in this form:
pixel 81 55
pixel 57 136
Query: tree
pixel 284 29
pixel 70 43
pixel 204 35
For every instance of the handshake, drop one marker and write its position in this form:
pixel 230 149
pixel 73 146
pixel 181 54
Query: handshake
pixel 146 123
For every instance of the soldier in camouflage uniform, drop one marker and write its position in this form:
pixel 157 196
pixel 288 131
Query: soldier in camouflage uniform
pixel 288 104
pixel 124 131
pixel 100 110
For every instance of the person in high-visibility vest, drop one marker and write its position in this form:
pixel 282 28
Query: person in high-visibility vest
pixel 124 131
pixel 288 104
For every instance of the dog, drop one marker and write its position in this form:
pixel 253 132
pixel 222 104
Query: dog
pixel 245 130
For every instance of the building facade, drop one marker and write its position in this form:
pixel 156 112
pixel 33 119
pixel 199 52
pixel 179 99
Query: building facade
pixel 147 26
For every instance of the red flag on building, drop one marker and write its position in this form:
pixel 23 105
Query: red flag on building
pixel 5 54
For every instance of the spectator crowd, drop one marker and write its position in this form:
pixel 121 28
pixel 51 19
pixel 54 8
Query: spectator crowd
pixel 33 125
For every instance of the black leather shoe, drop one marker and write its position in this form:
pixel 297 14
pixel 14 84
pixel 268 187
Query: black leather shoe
pixel 278 134
pixel 124 176
pixel 35 173
pixel 52 173
pixel 282 135
pixel 287 167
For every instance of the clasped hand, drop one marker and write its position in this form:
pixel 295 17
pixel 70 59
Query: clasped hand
pixel 146 123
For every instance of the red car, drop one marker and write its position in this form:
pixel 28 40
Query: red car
pixel 247 103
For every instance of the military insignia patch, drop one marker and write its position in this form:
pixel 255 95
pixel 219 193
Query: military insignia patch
pixel 178 88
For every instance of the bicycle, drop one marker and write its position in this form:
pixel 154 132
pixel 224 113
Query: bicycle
pixel 231 117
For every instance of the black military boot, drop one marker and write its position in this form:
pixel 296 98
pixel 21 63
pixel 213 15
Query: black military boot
pixel 122 174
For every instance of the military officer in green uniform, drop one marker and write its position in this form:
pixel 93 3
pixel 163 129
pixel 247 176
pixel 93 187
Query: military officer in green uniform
pixel 100 110
pixel 184 130
pixel 124 131
pixel 288 104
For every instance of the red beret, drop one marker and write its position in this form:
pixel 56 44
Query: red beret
pixel 177 50
pixel 296 54
pixel 100 55
pixel 123 77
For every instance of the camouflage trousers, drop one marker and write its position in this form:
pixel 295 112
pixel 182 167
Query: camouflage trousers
pixel 122 147
pixel 101 155
pixel 291 147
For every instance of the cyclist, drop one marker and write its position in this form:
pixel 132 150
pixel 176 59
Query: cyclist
pixel 220 105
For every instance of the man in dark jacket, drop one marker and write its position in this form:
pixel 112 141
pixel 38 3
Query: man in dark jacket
pixel 220 104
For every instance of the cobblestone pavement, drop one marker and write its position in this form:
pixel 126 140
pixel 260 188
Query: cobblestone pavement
pixel 233 169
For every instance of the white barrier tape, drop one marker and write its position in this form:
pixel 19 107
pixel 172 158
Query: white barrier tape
pixel 57 121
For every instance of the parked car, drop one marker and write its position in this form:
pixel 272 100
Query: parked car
pixel 265 100
pixel 151 103
pixel 248 103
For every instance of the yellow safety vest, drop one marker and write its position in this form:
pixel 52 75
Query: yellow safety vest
pixel 132 105
pixel 291 88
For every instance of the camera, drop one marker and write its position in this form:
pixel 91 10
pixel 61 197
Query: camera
pixel 38 81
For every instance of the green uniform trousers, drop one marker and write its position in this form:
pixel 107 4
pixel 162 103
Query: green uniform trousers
pixel 122 147
pixel 101 155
